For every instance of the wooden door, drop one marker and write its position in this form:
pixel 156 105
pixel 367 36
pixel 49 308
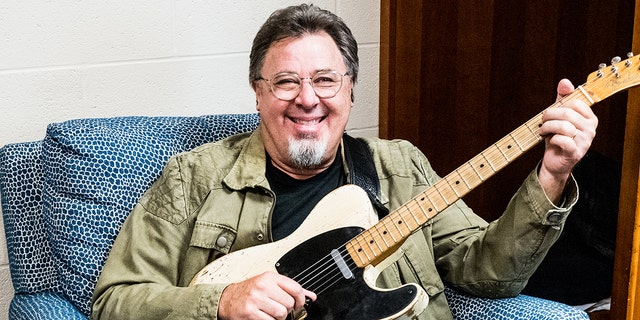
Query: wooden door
pixel 456 76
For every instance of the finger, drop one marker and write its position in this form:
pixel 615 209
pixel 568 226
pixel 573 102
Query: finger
pixel 275 310
pixel 565 87
pixel 297 293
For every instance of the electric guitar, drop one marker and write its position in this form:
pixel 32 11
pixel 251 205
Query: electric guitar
pixel 340 248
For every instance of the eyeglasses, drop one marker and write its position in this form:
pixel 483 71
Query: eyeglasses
pixel 287 85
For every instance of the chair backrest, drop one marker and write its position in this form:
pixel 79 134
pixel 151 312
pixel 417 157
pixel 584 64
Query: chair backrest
pixel 21 179
pixel 92 171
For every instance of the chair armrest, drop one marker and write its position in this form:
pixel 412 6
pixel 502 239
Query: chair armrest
pixel 521 307
pixel 43 306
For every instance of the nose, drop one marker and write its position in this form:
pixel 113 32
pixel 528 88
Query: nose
pixel 307 96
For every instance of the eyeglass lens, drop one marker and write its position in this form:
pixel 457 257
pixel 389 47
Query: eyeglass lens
pixel 287 86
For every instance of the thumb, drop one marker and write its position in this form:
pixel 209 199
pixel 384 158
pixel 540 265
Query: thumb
pixel 564 88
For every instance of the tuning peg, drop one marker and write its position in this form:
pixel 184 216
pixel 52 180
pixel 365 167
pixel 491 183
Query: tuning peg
pixel 614 67
pixel 628 62
pixel 600 68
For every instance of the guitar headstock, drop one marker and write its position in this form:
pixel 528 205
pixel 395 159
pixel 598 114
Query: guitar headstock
pixel 619 76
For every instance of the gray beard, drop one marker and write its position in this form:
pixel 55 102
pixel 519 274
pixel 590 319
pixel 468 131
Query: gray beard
pixel 306 152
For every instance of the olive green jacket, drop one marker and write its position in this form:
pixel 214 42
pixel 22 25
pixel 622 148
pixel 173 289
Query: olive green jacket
pixel 215 199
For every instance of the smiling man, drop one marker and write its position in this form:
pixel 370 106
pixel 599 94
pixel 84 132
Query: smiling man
pixel 257 188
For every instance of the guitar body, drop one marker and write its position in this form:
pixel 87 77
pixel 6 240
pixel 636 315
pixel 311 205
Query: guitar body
pixel 347 297
pixel 336 219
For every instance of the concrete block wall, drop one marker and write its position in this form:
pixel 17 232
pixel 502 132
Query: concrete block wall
pixel 75 59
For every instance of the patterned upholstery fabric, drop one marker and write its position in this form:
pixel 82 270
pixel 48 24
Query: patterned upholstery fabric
pixel 64 199
pixel 43 306
pixel 522 307
pixel 21 178
pixel 95 171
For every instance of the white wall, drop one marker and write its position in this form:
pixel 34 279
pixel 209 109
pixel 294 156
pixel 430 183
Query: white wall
pixel 67 59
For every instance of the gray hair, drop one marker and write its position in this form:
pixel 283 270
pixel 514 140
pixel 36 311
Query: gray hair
pixel 296 21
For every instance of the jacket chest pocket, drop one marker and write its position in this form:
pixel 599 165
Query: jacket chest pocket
pixel 213 236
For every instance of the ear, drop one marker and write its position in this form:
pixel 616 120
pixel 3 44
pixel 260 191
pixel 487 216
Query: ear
pixel 258 93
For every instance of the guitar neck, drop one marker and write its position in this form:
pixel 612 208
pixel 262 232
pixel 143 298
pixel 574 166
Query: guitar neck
pixel 378 242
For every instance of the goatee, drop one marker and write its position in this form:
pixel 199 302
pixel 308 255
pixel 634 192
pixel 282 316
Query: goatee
pixel 306 151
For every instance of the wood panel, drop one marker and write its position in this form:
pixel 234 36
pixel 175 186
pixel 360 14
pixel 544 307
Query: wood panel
pixel 626 283
pixel 457 76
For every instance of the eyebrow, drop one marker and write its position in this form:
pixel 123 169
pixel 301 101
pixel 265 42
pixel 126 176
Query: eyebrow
pixel 314 72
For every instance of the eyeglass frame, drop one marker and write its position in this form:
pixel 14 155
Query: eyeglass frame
pixel 301 80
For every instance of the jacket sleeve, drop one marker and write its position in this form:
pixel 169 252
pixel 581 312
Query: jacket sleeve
pixel 496 259
pixel 141 277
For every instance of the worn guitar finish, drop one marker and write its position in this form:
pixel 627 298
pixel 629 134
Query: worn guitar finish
pixel 333 253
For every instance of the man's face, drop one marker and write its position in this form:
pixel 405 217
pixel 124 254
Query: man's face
pixel 302 135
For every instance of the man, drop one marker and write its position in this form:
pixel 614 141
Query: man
pixel 256 188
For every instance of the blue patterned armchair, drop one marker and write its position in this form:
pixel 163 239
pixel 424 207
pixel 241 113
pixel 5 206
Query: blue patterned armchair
pixel 65 197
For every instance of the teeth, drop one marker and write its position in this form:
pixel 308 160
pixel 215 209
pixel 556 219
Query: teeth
pixel 306 122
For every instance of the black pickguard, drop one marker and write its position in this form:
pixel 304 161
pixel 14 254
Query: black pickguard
pixel 351 298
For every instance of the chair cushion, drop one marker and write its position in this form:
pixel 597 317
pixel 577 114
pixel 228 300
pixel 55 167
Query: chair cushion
pixel 43 306
pixel 95 171
pixel 522 307
pixel 21 178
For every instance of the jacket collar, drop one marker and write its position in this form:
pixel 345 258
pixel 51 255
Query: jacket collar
pixel 249 168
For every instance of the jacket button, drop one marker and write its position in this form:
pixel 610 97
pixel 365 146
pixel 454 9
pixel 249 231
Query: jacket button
pixel 554 217
pixel 221 242
pixel 260 237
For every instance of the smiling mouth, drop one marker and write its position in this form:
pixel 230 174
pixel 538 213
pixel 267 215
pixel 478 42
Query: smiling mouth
pixel 307 122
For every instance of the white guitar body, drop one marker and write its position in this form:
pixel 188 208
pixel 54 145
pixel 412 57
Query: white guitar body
pixel 345 207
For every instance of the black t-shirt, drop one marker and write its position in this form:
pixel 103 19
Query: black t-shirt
pixel 296 198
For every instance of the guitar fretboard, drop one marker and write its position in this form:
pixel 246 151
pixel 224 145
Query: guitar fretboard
pixel 379 241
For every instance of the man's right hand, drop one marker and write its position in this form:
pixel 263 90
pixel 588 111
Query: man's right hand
pixel 266 296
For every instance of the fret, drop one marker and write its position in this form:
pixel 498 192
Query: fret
pixel 487 159
pixel 435 186
pixel 458 195
pixel 359 250
pixel 431 200
pixel 383 235
pixel 533 132
pixel 516 141
pixel 402 235
pixel 506 157
pixel 418 222
pixel 366 237
pixel 431 210
pixel 386 228
pixel 477 173
pixel 372 240
pixel 470 174
pixel 426 214
pixel 481 168
pixel 469 187
pixel 402 221
pixel 507 147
